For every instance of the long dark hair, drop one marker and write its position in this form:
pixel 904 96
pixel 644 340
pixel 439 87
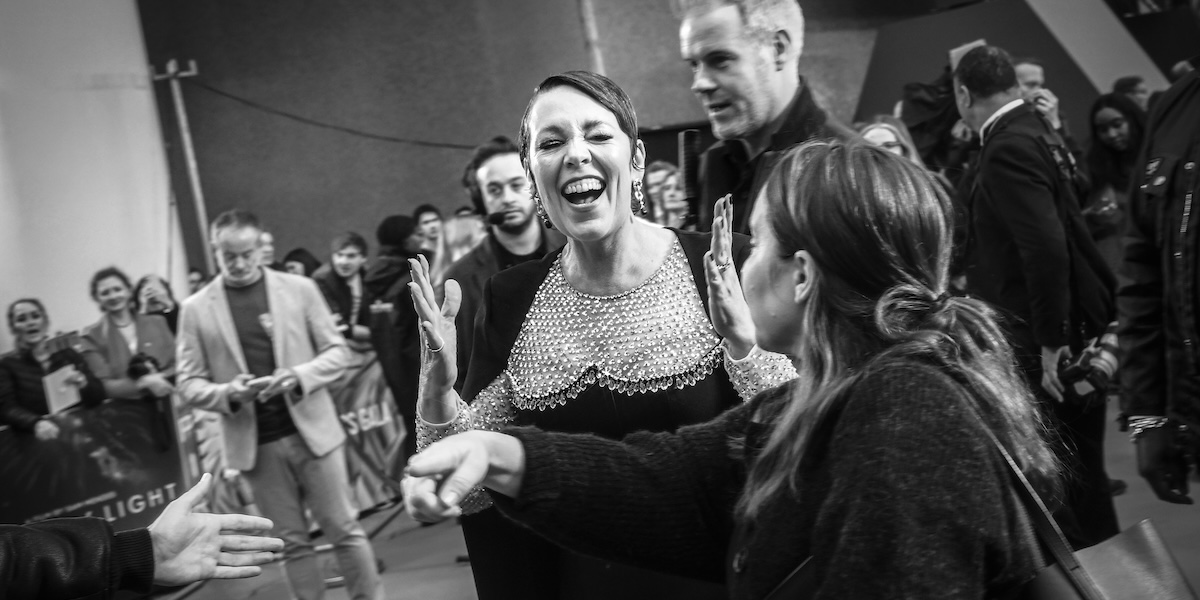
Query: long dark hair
pixel 878 227
pixel 1108 166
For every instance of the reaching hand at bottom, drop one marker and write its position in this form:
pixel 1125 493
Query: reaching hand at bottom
pixel 190 546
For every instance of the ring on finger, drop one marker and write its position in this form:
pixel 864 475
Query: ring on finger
pixel 436 350
pixel 722 266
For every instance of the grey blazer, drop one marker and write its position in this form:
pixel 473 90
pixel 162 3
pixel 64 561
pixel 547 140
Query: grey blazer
pixel 209 356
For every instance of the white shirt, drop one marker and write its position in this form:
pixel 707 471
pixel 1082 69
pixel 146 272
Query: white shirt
pixel 996 116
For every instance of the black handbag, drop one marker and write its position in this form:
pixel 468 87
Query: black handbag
pixel 1132 565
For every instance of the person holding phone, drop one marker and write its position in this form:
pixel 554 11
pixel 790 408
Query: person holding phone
pixel 152 296
pixel 1031 76
pixel 260 347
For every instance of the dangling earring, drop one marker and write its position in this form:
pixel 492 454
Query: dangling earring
pixel 541 212
pixel 639 197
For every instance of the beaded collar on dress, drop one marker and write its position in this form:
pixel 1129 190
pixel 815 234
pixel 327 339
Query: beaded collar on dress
pixel 652 337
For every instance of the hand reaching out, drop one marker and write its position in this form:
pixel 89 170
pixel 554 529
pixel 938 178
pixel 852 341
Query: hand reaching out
pixel 437 479
pixel 190 546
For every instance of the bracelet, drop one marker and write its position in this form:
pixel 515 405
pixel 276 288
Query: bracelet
pixel 1140 425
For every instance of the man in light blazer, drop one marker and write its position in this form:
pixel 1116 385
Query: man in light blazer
pixel 258 347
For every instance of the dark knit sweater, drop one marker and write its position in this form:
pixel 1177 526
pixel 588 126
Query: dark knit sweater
pixel 901 496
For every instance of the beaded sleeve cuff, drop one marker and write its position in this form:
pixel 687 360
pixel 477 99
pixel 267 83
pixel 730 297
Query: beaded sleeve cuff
pixel 491 410
pixel 758 371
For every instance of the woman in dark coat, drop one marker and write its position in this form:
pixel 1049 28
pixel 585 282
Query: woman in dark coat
pixel 23 404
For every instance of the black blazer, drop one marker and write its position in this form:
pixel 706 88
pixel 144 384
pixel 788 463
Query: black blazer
pixel 1029 251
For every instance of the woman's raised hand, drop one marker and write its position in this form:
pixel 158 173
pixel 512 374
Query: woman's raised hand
pixel 439 354
pixel 437 479
pixel 726 305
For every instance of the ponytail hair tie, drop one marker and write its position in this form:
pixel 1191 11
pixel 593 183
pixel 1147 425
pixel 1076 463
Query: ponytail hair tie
pixel 940 302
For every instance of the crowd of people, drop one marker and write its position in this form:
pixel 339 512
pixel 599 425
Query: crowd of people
pixel 619 392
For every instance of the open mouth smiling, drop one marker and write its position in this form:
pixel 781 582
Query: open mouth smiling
pixel 583 190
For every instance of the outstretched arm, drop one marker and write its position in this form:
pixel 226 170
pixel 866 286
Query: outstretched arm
pixel 191 546
pixel 71 558
pixel 657 500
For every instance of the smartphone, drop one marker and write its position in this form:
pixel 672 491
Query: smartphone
pixel 259 382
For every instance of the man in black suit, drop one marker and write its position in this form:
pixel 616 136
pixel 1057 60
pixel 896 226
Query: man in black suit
pixel 1030 255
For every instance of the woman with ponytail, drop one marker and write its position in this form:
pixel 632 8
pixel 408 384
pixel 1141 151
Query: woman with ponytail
pixel 873 463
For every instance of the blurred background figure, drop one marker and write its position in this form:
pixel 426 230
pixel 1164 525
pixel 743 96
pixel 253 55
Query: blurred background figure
pixel 393 320
pixel 1117 127
pixel 1031 77
pixel 123 339
pixel 268 251
pixel 23 403
pixel 152 296
pixel 429 224
pixel 341 283
pixel 1134 88
pixel 301 262
pixel 196 280
pixel 665 202
pixel 460 235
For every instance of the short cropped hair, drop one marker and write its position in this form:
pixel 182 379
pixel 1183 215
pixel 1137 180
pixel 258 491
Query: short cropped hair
pixel 986 71
pixel 105 273
pixel 1127 84
pixel 762 18
pixel 426 208
pixel 603 90
pixel 484 152
pixel 1028 60
pixel 661 165
pixel 349 240
pixel 234 219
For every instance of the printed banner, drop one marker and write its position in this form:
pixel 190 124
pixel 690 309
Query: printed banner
pixel 119 461
pixel 368 414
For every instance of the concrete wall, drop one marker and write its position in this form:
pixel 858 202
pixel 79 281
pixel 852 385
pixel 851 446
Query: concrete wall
pixel 82 176
pixel 443 71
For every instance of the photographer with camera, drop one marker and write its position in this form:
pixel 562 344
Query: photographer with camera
pixel 1029 253
pixel 122 333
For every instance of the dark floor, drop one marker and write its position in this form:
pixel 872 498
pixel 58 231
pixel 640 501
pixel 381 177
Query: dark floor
pixel 420 562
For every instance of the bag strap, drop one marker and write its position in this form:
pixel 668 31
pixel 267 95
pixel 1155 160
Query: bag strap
pixel 1047 530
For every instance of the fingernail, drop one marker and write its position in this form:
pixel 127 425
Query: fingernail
pixel 450 498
